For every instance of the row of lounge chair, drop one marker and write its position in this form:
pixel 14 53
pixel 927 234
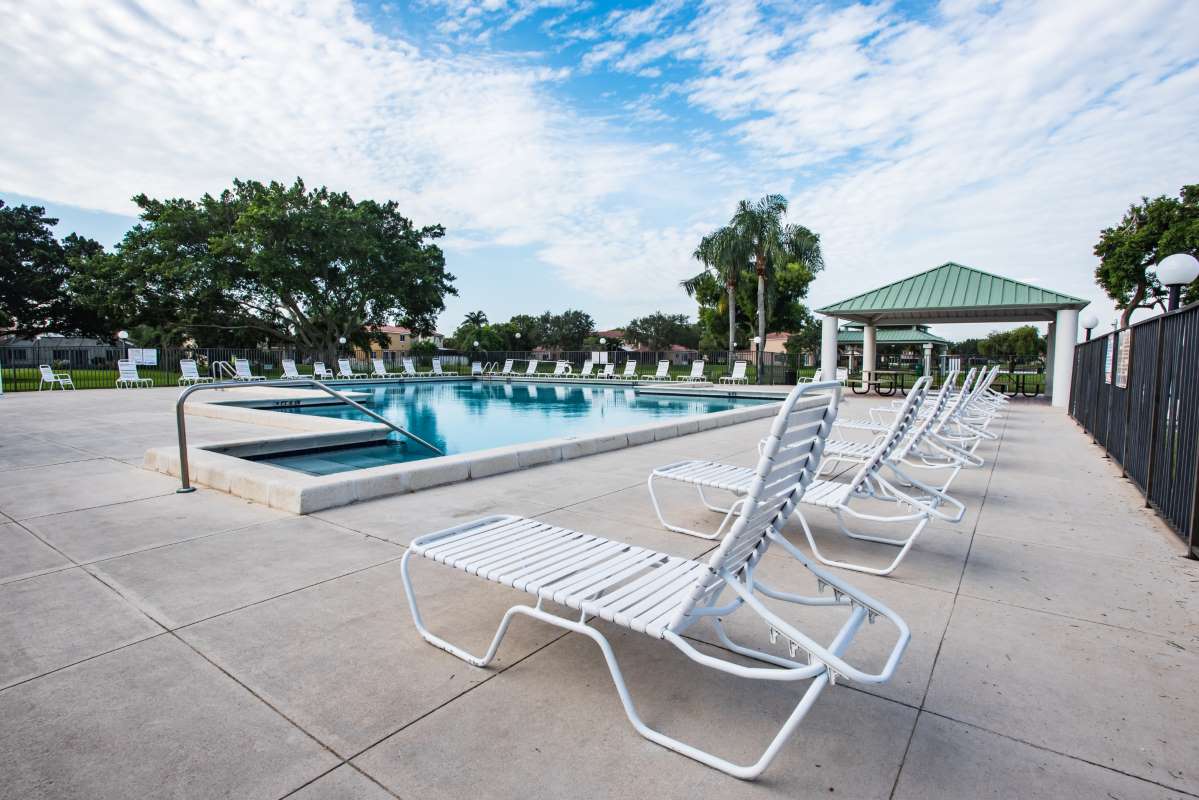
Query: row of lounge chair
pixel 563 369
pixel 663 596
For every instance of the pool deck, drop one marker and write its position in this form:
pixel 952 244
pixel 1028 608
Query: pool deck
pixel 163 645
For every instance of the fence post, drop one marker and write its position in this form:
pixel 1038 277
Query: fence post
pixel 1153 415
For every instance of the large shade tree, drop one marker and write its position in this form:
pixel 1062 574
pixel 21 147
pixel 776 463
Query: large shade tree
pixel 271 262
pixel 34 269
pixel 1150 231
pixel 659 331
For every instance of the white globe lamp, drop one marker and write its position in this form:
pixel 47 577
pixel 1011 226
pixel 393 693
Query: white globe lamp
pixel 1175 272
pixel 1089 323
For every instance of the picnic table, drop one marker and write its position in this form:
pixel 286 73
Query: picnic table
pixel 1016 381
pixel 892 379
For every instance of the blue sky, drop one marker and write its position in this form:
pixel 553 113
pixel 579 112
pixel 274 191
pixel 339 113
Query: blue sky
pixel 576 151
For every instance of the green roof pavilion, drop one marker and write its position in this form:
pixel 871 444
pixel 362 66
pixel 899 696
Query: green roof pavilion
pixel 954 293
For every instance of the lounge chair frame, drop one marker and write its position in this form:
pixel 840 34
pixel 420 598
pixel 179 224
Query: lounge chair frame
pixel 662 595
pixel 60 379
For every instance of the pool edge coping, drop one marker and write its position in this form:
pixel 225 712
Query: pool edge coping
pixel 212 465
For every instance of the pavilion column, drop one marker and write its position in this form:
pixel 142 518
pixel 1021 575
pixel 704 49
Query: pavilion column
pixel 869 340
pixel 1050 347
pixel 1065 337
pixel 828 349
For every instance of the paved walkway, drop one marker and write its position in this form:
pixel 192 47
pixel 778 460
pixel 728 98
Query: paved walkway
pixel 161 645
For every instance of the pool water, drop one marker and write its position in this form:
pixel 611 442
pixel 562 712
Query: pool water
pixel 461 417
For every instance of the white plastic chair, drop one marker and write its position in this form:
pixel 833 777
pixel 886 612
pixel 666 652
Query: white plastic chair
pixel 437 367
pixel 662 373
pixel 127 377
pixel 320 371
pixel 507 368
pixel 737 375
pixel 476 368
pixel 630 370
pixel 290 373
pixel 662 595
pixel 379 369
pixel 586 371
pixel 190 373
pixel 60 379
pixel 241 371
pixel 532 368
pixel 609 372
pixel 562 369
pixel 696 374
pixel 345 370
pixel 879 478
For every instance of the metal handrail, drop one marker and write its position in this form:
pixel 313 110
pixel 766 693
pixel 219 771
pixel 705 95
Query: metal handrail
pixel 219 369
pixel 181 424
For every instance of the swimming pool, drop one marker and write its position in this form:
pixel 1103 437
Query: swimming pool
pixel 460 417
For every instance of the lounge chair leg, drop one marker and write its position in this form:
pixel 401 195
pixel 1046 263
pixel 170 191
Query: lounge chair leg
pixel 729 515
pixel 904 544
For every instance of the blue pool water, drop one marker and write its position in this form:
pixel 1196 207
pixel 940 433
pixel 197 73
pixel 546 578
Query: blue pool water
pixel 460 417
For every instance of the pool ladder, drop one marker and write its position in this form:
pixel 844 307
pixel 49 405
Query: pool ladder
pixel 181 422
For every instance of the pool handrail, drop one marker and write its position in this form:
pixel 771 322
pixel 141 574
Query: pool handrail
pixel 181 423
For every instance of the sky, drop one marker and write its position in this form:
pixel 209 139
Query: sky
pixel 577 151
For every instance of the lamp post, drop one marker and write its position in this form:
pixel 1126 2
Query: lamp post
pixel 758 354
pixel 1089 323
pixel 1175 272
pixel 124 337
pixel 928 358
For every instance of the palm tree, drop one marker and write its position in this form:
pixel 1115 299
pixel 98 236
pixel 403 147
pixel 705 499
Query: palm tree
pixel 724 257
pixel 474 320
pixel 758 228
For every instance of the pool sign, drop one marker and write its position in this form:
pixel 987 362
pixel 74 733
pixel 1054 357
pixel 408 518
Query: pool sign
pixel 144 356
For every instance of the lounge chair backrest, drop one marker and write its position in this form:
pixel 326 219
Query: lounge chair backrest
pixel 508 362
pixel 377 363
pixel 242 367
pixel 588 366
pixel 289 368
pixel 343 366
pixel 437 366
pixel 842 373
pixel 561 368
pixel 47 371
pixel 532 367
pixel 921 425
pixel 697 368
pixel 790 457
pixel 738 370
pixel 905 418
pixel 959 400
pixel 630 368
pixel 318 367
pixel 187 366
pixel 409 367
pixel 476 368
pixel 663 369
pixel 127 370
pixel 609 370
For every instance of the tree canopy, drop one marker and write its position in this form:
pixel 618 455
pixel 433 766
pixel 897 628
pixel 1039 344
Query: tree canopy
pixel 1149 231
pixel 270 262
pixel 1021 342
pixel 659 331
pixel 34 268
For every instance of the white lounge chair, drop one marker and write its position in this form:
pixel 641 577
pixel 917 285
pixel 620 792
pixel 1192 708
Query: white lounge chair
pixel 696 374
pixel 507 368
pixel 290 373
pixel 629 373
pixel 379 369
pixel 241 371
pixel 532 368
pixel 585 372
pixel 917 502
pixel 189 373
pixel 841 373
pixel 609 372
pixel 127 377
pixel 320 371
pixel 437 371
pixel 60 379
pixel 737 375
pixel 346 371
pixel 476 368
pixel 662 596
pixel 562 369
pixel 662 373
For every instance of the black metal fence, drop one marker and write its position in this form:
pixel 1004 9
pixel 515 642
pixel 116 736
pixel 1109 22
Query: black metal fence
pixel 1136 391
